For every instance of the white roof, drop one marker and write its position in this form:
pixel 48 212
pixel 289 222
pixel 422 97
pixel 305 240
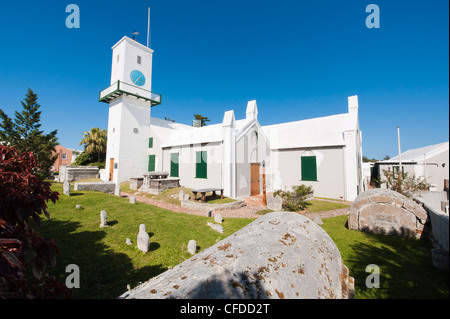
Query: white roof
pixel 417 155
pixel 322 131
pixel 174 134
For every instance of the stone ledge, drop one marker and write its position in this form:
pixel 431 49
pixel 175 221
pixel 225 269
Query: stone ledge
pixel 207 207
pixel 104 187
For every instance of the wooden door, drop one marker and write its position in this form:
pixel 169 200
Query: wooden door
pixel 111 169
pixel 254 179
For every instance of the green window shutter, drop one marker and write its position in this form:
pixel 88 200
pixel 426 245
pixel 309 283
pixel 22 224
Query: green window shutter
pixel 309 168
pixel 201 166
pixel 174 167
pixel 150 142
pixel 151 163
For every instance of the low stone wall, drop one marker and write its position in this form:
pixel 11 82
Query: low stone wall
pixel 279 255
pixel 211 207
pixel 104 187
pixel 383 211
pixel 75 173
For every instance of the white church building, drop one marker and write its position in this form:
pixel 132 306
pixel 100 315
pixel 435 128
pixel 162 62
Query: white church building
pixel 325 152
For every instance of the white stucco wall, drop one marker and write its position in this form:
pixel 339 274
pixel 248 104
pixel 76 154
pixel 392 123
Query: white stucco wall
pixel 248 152
pixel 128 133
pixel 187 165
pixel 330 170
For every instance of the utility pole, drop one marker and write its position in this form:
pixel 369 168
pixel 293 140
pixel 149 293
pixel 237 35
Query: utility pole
pixel 400 176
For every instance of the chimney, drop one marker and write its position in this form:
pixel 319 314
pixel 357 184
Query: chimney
pixel 197 123
pixel 353 104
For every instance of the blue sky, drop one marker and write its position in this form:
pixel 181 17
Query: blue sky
pixel 298 59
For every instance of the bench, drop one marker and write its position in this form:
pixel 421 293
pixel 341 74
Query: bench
pixel 207 190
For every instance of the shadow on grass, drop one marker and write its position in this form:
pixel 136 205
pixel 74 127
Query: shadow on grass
pixel 405 265
pixel 103 272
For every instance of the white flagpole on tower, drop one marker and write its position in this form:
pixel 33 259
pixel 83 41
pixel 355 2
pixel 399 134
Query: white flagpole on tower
pixel 148 29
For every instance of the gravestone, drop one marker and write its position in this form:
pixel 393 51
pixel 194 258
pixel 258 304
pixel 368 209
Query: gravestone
pixel 143 239
pixel 274 203
pixel 216 227
pixel 132 199
pixel 181 195
pixel 103 219
pixel 117 190
pixel 66 188
pixel 318 220
pixel 128 241
pixel 218 218
pixel 79 207
pixel 209 213
pixel 192 247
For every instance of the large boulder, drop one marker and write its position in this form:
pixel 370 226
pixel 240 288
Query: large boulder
pixel 279 255
pixel 383 211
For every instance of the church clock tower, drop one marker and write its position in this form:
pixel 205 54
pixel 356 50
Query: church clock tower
pixel 130 100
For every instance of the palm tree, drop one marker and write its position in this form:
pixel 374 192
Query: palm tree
pixel 95 141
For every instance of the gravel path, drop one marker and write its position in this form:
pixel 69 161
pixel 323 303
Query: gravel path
pixel 248 211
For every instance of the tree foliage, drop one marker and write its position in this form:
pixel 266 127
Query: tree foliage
pixel 403 182
pixel 94 142
pixel 25 257
pixel 24 134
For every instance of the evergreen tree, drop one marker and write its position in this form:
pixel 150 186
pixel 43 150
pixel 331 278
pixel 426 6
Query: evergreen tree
pixel 24 134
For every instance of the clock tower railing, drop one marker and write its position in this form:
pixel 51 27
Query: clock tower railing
pixel 121 88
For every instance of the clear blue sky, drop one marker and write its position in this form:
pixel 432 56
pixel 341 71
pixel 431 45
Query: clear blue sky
pixel 298 59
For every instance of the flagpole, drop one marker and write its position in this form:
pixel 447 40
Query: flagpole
pixel 148 29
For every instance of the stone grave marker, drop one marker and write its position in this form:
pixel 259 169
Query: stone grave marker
pixel 143 239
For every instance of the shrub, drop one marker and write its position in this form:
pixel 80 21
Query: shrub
pixel 24 255
pixel 294 200
pixel 406 184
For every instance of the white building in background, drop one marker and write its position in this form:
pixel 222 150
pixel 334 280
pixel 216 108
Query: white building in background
pixel 429 162
pixel 325 153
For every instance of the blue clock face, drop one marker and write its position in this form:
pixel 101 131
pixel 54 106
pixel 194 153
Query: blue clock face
pixel 137 77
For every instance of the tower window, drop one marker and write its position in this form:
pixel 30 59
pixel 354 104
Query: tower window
pixel 138 59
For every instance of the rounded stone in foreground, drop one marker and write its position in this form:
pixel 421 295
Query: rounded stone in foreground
pixel 279 255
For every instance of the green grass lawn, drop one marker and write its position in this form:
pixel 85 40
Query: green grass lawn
pixel 314 206
pixel 406 269
pixel 107 264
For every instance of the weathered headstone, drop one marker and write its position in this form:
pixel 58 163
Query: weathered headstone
pixel 274 203
pixel 209 213
pixel 143 239
pixel 181 195
pixel 128 241
pixel 132 199
pixel 216 227
pixel 192 247
pixel 117 190
pixel 66 188
pixel 218 218
pixel 103 219
pixel 186 197
pixel 318 220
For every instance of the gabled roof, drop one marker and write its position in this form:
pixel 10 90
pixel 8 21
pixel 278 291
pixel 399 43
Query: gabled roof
pixel 417 154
